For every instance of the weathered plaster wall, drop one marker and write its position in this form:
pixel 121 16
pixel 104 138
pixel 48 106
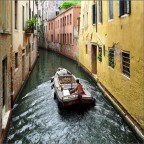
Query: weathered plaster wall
pixel 127 31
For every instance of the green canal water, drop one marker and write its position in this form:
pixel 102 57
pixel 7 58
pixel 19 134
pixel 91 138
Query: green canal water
pixel 37 120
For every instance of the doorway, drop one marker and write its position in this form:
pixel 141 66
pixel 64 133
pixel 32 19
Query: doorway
pixel 94 59
pixel 4 79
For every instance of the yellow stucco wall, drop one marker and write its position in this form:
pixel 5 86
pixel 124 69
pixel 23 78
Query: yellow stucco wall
pixel 128 32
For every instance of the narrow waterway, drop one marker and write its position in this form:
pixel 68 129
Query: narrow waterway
pixel 37 119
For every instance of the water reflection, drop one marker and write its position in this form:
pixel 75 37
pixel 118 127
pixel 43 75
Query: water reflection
pixel 37 119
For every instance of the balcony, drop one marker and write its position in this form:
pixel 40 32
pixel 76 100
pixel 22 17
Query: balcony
pixel 29 30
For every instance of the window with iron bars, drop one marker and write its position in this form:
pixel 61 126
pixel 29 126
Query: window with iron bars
pixel 126 63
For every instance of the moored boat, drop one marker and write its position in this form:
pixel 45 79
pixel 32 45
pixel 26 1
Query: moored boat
pixel 63 82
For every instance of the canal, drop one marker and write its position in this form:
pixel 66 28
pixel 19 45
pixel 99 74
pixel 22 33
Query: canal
pixel 37 119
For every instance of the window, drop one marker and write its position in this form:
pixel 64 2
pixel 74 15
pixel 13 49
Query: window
pixel 16 14
pixel 51 38
pixel 110 9
pixel 16 60
pixel 49 26
pixel 63 38
pixel 94 14
pixel 70 18
pixel 23 18
pixel 63 21
pixel 30 13
pixel 126 63
pixel 124 7
pixel 111 57
pixel 26 10
pixel 100 11
pixel 4 14
pixel 67 19
pixel 86 49
pixel 57 13
pixel 70 38
pixel 4 79
pixel 100 54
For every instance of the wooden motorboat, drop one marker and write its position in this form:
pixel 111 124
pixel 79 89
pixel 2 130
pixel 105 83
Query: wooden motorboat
pixel 63 82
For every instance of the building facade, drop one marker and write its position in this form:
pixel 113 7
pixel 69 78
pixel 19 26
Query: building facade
pixel 111 48
pixel 63 32
pixel 24 51
pixel 18 53
pixel 5 65
pixel 46 10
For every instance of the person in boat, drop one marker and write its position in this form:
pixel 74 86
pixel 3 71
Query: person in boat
pixel 78 89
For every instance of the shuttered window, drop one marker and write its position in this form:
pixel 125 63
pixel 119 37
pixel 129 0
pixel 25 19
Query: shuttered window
pixel 124 7
pixel 126 63
pixel 100 11
pixel 94 14
pixel 110 9
pixel 100 54
pixel 4 14
pixel 111 58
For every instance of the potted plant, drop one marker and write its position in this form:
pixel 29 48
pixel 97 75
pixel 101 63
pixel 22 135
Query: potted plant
pixel 100 57
pixel 31 24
